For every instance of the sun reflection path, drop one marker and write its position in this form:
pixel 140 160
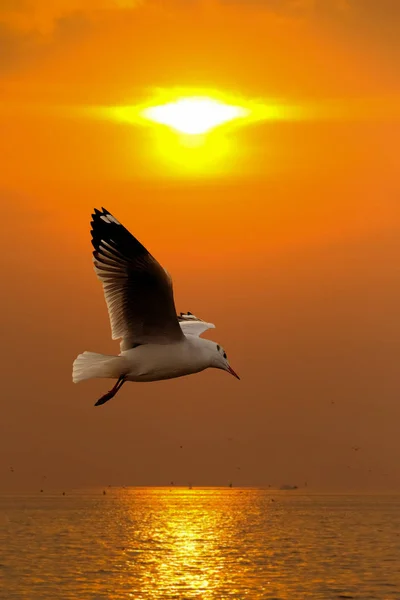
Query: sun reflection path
pixel 188 535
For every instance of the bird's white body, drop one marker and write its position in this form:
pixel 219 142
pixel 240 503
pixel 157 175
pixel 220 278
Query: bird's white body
pixel 150 362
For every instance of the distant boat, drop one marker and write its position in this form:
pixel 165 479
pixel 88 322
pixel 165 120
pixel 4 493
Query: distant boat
pixel 289 487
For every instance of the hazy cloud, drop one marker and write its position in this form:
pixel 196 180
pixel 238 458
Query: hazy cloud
pixel 16 46
pixel 295 7
pixel 33 30
pixel 22 48
pixel 43 16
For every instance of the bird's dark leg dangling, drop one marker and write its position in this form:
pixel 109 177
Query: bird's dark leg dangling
pixel 112 392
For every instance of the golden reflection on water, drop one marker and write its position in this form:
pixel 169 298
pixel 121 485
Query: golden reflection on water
pixel 191 532
pixel 208 544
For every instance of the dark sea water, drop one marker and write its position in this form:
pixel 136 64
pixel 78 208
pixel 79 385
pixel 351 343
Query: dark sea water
pixel 210 543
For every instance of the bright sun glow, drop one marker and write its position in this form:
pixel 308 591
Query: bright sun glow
pixel 194 116
pixel 192 130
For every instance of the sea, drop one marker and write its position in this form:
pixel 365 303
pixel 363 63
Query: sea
pixel 206 543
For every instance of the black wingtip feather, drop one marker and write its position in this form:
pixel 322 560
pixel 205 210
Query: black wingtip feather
pixel 135 285
pixel 115 235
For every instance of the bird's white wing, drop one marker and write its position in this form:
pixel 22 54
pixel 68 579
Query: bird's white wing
pixel 137 289
pixel 192 325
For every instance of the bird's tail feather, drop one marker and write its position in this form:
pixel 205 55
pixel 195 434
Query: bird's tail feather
pixel 90 365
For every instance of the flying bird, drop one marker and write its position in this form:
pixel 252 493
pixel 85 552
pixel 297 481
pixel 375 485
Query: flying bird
pixel 156 343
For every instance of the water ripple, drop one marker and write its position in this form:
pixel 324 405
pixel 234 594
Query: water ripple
pixel 156 543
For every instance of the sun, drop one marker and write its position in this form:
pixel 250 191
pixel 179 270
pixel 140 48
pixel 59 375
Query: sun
pixel 192 131
pixel 195 115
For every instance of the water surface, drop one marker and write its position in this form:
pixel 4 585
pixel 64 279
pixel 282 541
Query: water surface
pixel 210 543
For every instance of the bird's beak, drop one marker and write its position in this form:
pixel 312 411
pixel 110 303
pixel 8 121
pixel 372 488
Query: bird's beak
pixel 232 372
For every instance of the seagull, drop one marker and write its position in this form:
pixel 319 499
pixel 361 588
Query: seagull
pixel 156 343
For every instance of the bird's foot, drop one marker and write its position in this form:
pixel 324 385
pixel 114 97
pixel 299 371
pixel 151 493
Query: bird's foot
pixel 112 392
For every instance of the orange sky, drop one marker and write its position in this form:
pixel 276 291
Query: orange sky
pixel 289 243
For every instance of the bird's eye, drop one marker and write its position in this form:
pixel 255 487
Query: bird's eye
pixel 224 354
pixel 218 347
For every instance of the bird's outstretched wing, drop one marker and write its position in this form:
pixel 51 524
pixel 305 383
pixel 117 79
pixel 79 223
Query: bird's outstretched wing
pixel 137 289
pixel 192 325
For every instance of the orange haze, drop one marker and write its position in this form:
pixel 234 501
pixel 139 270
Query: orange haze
pixel 290 245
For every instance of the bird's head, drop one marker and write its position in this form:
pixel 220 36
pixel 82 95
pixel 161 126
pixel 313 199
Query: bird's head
pixel 219 360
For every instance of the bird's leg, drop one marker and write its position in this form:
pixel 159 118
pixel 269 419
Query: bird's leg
pixel 111 393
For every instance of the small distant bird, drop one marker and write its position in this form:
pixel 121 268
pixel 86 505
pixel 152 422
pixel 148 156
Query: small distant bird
pixel 41 491
pixel 156 343
pixel 12 469
pixel 104 492
pixel 63 493
pixel 355 448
